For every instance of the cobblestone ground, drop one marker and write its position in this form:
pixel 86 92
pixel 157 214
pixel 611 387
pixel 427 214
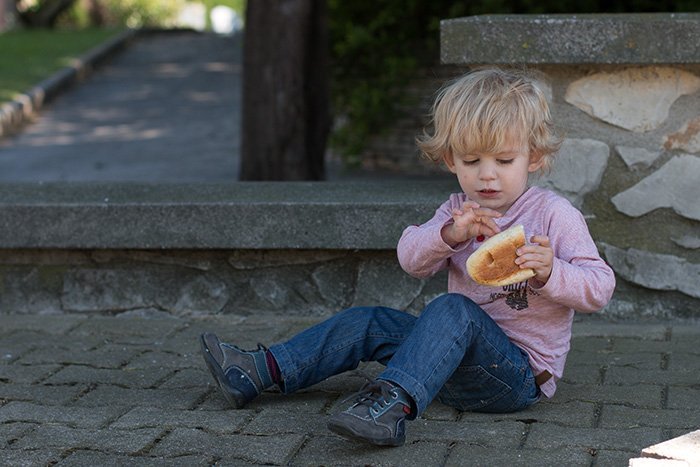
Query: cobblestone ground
pixel 94 390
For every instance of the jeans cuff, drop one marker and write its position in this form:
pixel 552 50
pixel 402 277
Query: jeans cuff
pixel 286 366
pixel 409 384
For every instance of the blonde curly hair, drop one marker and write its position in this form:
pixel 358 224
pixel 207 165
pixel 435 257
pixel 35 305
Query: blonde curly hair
pixel 483 110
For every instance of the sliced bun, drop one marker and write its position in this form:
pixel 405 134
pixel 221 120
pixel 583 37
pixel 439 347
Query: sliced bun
pixel 494 262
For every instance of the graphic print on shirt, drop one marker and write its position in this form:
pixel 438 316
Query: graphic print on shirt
pixel 515 295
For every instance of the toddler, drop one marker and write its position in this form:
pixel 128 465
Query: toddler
pixel 476 348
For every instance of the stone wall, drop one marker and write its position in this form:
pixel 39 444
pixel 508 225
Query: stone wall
pixel 625 93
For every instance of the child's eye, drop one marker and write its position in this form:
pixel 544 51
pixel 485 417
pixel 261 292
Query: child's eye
pixel 470 161
pixel 505 161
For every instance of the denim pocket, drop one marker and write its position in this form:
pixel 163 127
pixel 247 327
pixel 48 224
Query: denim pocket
pixel 473 388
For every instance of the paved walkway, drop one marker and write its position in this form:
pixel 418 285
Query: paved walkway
pixel 78 390
pixel 166 109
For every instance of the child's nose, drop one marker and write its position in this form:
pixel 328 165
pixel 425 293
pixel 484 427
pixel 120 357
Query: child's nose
pixel 487 172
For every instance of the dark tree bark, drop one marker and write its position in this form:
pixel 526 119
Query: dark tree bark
pixel 286 116
pixel 44 15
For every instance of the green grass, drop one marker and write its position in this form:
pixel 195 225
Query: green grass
pixel 29 56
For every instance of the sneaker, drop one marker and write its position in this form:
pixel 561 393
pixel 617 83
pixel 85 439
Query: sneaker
pixel 241 374
pixel 377 416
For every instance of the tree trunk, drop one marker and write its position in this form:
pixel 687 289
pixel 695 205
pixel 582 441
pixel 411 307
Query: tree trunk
pixel 286 115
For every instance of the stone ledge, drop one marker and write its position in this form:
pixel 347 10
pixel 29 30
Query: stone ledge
pixel 637 38
pixel 244 215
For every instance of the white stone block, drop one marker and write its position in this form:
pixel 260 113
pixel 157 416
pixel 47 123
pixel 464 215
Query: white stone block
pixel 685 448
pixel 637 158
pixel 653 270
pixel 636 99
pixel 675 185
pixel 577 170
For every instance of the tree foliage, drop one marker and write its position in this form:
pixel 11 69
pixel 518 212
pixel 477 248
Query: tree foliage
pixel 377 47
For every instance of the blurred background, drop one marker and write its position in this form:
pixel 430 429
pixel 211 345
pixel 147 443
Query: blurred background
pixel 359 75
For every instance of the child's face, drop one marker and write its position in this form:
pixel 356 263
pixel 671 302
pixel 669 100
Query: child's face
pixel 494 180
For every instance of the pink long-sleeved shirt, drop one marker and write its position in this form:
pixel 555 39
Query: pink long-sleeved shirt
pixel 537 318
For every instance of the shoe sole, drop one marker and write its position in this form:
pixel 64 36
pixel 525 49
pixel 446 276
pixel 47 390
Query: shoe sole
pixel 351 435
pixel 233 396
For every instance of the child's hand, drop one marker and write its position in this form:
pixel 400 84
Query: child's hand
pixel 470 221
pixel 537 256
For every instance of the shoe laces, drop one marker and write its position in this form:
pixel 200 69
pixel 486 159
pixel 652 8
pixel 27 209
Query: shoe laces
pixel 375 395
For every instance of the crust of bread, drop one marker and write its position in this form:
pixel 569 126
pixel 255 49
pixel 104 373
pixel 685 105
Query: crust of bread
pixel 493 263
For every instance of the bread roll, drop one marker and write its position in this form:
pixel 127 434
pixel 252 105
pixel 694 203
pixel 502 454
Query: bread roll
pixel 494 262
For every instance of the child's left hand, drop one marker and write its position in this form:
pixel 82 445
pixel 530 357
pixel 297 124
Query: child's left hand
pixel 537 256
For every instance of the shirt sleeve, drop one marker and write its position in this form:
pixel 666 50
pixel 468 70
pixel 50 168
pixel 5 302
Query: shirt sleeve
pixel 580 279
pixel 421 250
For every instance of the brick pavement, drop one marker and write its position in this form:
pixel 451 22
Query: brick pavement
pixel 133 390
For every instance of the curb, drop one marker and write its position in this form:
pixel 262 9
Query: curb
pixel 18 111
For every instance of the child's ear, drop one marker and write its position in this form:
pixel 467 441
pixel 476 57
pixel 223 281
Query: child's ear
pixel 535 164
pixel 450 162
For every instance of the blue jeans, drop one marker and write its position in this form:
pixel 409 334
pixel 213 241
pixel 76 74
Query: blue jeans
pixel 453 351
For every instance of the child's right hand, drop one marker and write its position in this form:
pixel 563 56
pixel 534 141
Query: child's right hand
pixel 471 220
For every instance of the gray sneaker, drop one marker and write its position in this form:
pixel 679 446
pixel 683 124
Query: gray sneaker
pixel 241 374
pixel 377 416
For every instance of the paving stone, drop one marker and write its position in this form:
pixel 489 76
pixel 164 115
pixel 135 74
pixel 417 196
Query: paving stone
pixel 572 413
pixel 634 376
pixel 506 434
pixel 683 362
pixel 643 395
pixel 277 421
pixel 187 378
pixel 114 396
pixel 157 359
pixel 64 437
pixel 606 329
pixel 276 450
pixel 28 340
pixel 683 397
pixel 617 416
pixel 551 436
pixel 309 402
pixel 50 324
pixel 127 378
pixel 608 358
pixel 45 395
pixel 474 454
pixel 612 458
pixel 337 451
pixel 229 421
pixel 590 344
pixel 128 330
pixel 587 374
pixel 438 411
pixel 74 416
pixel 26 374
pixel 11 431
pixel 629 345
pixel 24 458
pixel 91 458
pixel 109 356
